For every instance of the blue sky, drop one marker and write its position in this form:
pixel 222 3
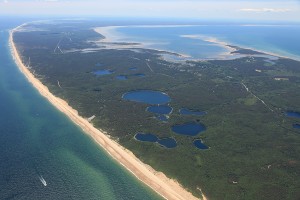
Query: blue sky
pixel 275 10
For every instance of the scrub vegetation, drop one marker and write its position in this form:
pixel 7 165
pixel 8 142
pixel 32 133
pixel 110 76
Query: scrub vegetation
pixel 254 151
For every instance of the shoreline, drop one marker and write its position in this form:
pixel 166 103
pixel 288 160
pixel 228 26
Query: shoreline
pixel 157 181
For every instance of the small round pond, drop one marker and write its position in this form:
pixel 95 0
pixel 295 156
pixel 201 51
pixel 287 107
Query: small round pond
pixel 185 111
pixel 198 143
pixel 147 96
pixel 189 129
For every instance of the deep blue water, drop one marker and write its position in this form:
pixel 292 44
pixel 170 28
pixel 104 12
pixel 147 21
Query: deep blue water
pixel 296 126
pixel 189 129
pixel 282 39
pixel 103 72
pixel 199 144
pixel 146 137
pixel 185 111
pixel 38 140
pixel 147 96
pixel 160 109
pixel 168 142
pixel 293 114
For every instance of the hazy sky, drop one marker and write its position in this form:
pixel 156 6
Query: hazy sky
pixel 286 10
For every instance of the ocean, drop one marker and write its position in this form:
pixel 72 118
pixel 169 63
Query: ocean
pixel 40 145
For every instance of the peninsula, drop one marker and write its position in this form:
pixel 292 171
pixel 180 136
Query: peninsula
pixel 188 128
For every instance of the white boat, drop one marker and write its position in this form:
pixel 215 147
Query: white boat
pixel 43 181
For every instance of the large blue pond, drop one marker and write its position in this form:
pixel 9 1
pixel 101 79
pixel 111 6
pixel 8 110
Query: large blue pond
pixel 293 114
pixel 185 111
pixel 296 126
pixel 103 72
pixel 147 96
pixel 190 129
pixel 160 109
pixel 199 144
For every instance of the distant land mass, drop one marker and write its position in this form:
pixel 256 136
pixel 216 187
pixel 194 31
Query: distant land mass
pixel 226 127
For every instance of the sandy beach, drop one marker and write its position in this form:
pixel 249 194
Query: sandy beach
pixel 167 188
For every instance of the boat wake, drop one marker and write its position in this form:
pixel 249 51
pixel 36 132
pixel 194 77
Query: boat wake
pixel 43 180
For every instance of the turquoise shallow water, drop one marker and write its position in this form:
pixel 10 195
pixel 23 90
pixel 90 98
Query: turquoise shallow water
pixel 283 40
pixel 37 140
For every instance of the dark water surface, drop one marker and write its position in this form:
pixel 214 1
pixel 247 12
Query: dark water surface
pixel 293 114
pixel 146 137
pixel 189 129
pixel 168 142
pixel 161 109
pixel 147 96
pixel 296 126
pixel 200 145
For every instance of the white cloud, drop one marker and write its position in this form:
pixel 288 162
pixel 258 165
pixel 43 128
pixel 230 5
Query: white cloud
pixel 5 1
pixel 265 10
pixel 197 9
